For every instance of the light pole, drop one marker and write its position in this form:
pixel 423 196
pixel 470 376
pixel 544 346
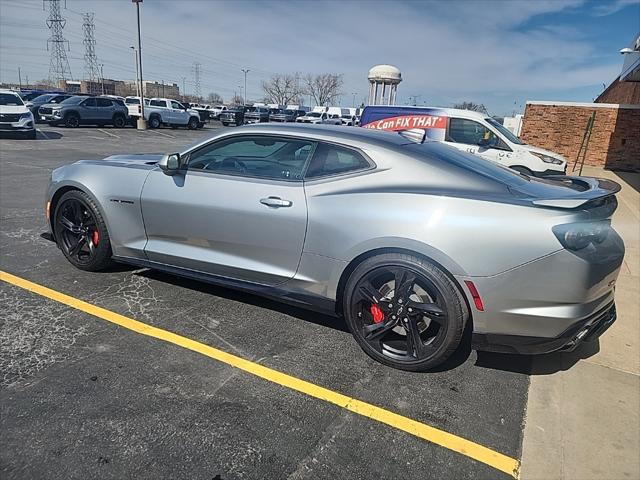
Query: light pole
pixel 184 91
pixel 142 124
pixel 354 99
pixel 102 77
pixel 135 60
pixel 245 71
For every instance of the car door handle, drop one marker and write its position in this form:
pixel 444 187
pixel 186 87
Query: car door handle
pixel 275 202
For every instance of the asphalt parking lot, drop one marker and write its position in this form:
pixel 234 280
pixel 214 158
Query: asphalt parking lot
pixel 82 397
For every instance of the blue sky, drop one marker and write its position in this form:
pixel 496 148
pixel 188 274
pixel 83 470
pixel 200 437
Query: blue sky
pixel 500 53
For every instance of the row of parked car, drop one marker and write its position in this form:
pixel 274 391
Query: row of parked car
pixel 20 111
pixel 243 114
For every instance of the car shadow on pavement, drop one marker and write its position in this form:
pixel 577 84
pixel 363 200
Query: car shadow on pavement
pixel 248 298
pixel 630 178
pixel 49 135
pixel 545 364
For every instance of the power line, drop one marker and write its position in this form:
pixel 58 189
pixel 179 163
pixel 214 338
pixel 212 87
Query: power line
pixel 91 69
pixel 59 64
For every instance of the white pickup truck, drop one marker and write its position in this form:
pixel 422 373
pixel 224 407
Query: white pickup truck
pixel 165 111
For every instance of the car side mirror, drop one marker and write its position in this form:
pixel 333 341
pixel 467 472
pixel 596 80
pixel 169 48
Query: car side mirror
pixel 170 163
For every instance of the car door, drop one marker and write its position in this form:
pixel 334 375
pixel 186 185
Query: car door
pixel 237 210
pixel 179 115
pixel 104 109
pixel 87 110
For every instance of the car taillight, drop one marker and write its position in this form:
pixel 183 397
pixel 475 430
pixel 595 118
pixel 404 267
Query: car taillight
pixel 576 236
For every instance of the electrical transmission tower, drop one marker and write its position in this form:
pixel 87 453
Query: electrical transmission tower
pixel 59 65
pixel 196 80
pixel 91 68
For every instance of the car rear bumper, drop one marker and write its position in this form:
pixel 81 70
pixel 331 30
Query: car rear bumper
pixel 543 305
pixel 585 330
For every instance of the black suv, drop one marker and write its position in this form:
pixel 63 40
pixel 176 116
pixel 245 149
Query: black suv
pixel 235 115
pixel 78 110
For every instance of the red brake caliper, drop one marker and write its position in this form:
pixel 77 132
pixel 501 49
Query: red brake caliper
pixel 378 314
pixel 95 237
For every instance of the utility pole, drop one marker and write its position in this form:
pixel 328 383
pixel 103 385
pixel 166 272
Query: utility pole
pixel 20 78
pixel 184 90
pixel 59 64
pixel 135 59
pixel 142 124
pixel 162 88
pixel 196 82
pixel 102 77
pixel 245 71
pixel 353 104
pixel 90 59
pixel 243 100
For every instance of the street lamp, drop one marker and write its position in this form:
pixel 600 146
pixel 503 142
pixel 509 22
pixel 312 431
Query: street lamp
pixel 142 124
pixel 626 51
pixel 135 60
pixel 245 71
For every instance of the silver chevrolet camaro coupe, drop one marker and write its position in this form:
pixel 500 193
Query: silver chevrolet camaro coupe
pixel 410 241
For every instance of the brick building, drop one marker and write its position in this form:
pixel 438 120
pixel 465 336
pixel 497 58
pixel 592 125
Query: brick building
pixel 560 127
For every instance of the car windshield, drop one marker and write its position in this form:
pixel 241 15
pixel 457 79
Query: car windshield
pixel 504 131
pixel 132 101
pixel 10 99
pixel 72 101
pixel 314 114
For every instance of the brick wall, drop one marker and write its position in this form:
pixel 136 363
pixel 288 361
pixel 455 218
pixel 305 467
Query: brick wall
pixel 615 138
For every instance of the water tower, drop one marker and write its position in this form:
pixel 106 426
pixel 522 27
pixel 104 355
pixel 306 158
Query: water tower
pixel 383 84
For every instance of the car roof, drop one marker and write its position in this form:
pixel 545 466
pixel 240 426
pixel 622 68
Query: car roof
pixel 8 91
pixel 337 133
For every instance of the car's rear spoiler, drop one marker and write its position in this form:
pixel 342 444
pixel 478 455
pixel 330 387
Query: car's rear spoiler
pixel 587 189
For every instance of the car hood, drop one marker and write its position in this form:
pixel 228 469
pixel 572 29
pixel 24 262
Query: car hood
pixel 531 148
pixel 13 109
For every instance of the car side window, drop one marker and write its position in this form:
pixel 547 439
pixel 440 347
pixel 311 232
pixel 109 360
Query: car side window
pixel 254 156
pixel 176 105
pixel 157 103
pixel 89 102
pixel 103 102
pixel 334 160
pixel 468 132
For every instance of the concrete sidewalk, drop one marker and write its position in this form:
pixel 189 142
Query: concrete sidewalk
pixel 583 411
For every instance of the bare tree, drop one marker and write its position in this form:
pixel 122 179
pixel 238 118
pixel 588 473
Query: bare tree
pixel 237 100
pixel 323 88
pixel 281 89
pixel 214 98
pixel 475 107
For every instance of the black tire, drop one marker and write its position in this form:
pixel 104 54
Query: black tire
pixel 438 311
pixel 154 121
pixel 78 225
pixel 193 123
pixel 119 121
pixel 72 120
pixel 523 170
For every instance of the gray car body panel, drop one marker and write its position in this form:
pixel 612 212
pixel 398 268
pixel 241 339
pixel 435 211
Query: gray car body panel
pixel 427 199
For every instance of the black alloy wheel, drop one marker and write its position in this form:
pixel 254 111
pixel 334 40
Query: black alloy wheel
pixel 154 122
pixel 81 232
pixel 404 312
pixel 119 121
pixel 72 120
pixel 193 123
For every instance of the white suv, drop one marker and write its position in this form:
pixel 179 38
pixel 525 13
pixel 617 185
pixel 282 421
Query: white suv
pixel 15 116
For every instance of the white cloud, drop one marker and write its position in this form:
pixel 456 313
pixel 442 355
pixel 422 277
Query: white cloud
pixel 609 8
pixel 446 50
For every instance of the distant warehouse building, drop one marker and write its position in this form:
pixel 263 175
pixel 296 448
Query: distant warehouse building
pixel 614 142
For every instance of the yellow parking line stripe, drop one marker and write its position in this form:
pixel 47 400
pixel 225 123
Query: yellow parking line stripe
pixel 434 435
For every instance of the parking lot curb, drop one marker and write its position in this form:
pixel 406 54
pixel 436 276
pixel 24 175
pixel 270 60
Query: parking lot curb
pixel 431 434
